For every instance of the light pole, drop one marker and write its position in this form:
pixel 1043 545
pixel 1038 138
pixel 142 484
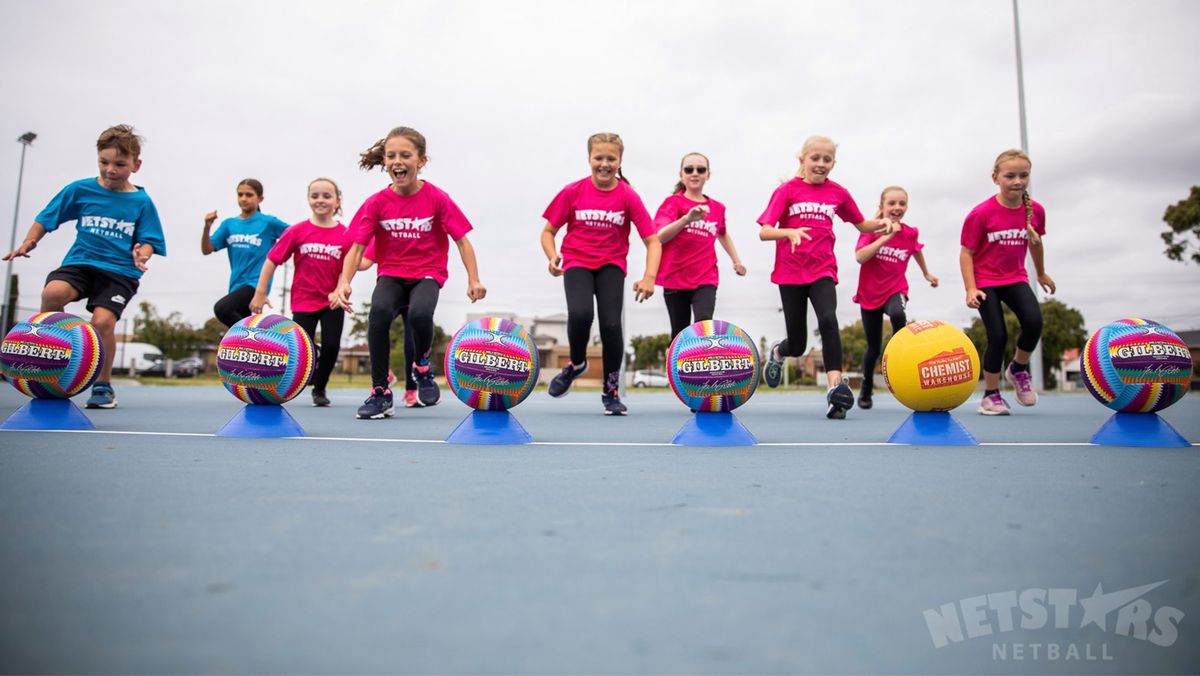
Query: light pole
pixel 1035 357
pixel 25 140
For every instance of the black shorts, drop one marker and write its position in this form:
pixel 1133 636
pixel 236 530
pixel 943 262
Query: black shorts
pixel 101 288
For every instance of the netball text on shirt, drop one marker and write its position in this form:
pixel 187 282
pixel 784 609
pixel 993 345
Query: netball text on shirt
pixel 407 228
pixel 599 218
pixel 812 209
pixel 103 226
pixel 321 252
pixel 703 228
pixel 1010 237
pixel 891 254
pixel 245 241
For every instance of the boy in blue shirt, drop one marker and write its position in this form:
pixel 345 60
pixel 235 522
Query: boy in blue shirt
pixel 117 230
pixel 249 238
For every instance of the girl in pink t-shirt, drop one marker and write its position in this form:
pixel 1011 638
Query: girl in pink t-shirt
pixel 995 237
pixel 688 223
pixel 882 285
pixel 598 211
pixel 799 219
pixel 317 245
pixel 411 223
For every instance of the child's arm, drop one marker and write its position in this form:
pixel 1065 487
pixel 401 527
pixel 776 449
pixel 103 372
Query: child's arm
pixel 727 242
pixel 341 295
pixel 141 255
pixel 644 287
pixel 475 290
pixel 882 226
pixel 770 233
pixel 548 234
pixel 920 258
pixel 1037 251
pixel 260 292
pixel 669 231
pixel 966 262
pixel 36 232
pixel 206 246
pixel 868 252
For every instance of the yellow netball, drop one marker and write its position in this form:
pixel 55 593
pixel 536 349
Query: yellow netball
pixel 931 366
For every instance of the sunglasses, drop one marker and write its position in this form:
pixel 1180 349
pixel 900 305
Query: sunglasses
pixel 695 170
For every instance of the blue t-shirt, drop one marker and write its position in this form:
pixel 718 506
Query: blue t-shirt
pixel 249 241
pixel 108 225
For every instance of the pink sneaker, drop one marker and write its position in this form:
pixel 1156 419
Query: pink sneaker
pixel 411 400
pixel 993 404
pixel 1022 382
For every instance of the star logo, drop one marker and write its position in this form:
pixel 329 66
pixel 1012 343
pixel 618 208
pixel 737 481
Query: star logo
pixel 34 330
pixel 1152 331
pixel 252 334
pixel 1097 607
pixel 494 338
pixel 715 342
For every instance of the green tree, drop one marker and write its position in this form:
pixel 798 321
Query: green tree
pixel 212 331
pixel 358 331
pixel 650 351
pixel 175 337
pixel 1184 218
pixel 1063 328
pixel 854 343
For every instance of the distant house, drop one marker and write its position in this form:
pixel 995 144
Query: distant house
pixel 1192 339
pixel 1067 374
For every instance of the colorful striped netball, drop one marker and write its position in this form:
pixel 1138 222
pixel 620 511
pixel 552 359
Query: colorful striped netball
pixel 1136 366
pixel 491 364
pixel 52 355
pixel 713 366
pixel 265 359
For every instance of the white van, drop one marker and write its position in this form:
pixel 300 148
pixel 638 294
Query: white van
pixel 136 357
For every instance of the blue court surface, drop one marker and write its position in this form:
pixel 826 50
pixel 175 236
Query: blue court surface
pixel 152 546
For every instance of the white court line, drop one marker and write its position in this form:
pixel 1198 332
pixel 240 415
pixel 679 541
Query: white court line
pixel 793 444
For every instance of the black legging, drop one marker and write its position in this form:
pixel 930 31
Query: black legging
pixel 235 306
pixel 795 297
pixel 606 285
pixel 873 328
pixel 1020 299
pixel 391 294
pixel 331 322
pixel 682 302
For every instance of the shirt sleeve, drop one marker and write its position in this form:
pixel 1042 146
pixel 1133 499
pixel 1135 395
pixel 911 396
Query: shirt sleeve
pixel 559 211
pixel 917 244
pixel 639 214
pixel 364 223
pixel 776 207
pixel 848 210
pixel 149 229
pixel 454 222
pixel 667 213
pixel 62 208
pixel 1039 219
pixel 865 239
pixel 276 228
pixel 220 238
pixel 284 247
pixel 972 230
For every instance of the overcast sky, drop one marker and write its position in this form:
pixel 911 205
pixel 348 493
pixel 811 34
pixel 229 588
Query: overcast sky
pixel 920 94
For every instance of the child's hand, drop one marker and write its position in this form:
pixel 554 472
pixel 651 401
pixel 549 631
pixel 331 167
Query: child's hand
pixel 975 297
pixel 796 236
pixel 889 228
pixel 556 267
pixel 260 299
pixel 141 255
pixel 643 289
pixel 476 291
pixel 933 281
pixel 21 251
pixel 1047 283
pixel 739 269
pixel 1034 238
pixel 209 218
pixel 340 298
pixel 696 213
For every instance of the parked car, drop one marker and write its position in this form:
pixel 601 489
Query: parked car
pixel 650 379
pixel 184 368
pixel 137 357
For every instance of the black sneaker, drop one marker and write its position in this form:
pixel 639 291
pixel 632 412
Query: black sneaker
pixel 562 382
pixel 864 399
pixel 377 406
pixel 773 369
pixel 427 388
pixel 841 399
pixel 319 398
pixel 612 404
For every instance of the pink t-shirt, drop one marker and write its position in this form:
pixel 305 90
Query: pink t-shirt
pixel 318 252
pixel 997 238
pixel 798 204
pixel 412 233
pixel 597 223
pixel 689 260
pixel 883 275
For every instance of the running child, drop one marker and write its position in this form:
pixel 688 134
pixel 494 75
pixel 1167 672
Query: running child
pixel 116 232
pixel 882 285
pixel 995 236
pixel 597 211
pixel 689 222
pixel 411 223
pixel 317 245
pixel 799 219
pixel 248 237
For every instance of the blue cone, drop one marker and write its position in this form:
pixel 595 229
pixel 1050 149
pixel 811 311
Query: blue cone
pixel 489 427
pixel 714 429
pixel 1139 429
pixel 48 414
pixel 262 421
pixel 932 428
